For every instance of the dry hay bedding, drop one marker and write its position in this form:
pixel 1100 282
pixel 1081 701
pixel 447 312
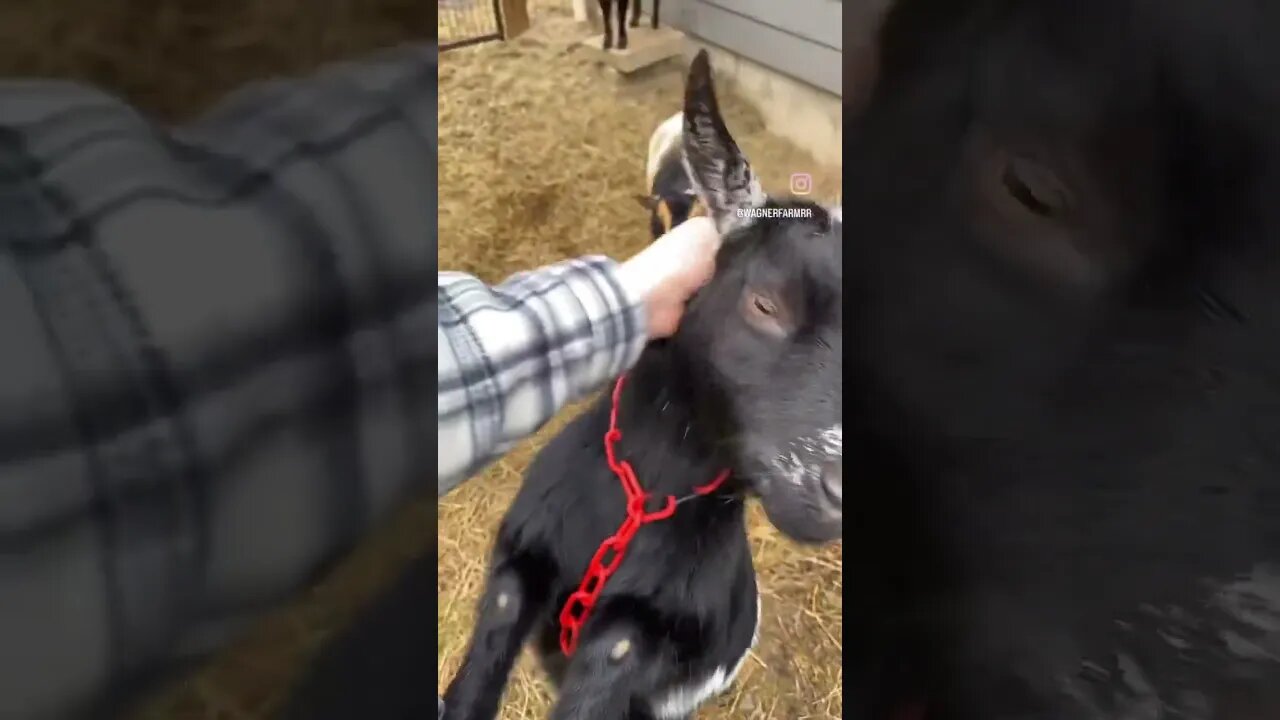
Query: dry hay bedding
pixel 541 150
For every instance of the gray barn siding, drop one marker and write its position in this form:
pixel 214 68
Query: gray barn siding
pixel 799 38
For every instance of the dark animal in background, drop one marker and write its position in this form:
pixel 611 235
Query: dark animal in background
pixel 1065 295
pixel 672 198
pixel 752 383
pixel 607 5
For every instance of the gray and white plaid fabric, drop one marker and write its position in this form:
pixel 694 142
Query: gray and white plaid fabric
pixel 215 360
pixel 511 356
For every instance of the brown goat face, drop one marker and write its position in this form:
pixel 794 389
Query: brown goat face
pixel 768 328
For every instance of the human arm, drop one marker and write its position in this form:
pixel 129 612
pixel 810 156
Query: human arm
pixel 216 355
pixel 512 355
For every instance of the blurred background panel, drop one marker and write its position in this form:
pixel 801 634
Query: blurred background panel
pixel 174 57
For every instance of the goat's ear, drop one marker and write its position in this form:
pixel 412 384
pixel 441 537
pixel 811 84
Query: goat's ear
pixel 646 201
pixel 719 171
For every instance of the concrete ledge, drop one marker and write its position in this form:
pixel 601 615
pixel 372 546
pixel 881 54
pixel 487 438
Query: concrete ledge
pixel 645 47
pixel 808 117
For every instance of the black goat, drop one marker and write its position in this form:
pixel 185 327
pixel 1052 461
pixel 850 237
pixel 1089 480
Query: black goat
pixel 750 384
pixel 607 5
pixel 1066 404
pixel 672 198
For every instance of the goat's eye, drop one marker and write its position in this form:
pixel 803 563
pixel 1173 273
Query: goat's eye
pixel 1034 187
pixel 765 314
pixel 1028 215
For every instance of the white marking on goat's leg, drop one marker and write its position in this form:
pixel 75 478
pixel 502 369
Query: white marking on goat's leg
pixel 755 638
pixel 682 701
pixel 755 634
pixel 620 650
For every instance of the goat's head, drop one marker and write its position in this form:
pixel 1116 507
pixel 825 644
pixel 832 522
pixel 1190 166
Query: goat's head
pixel 672 198
pixel 669 210
pixel 765 334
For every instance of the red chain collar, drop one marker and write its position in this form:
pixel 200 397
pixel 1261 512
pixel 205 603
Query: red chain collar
pixel 580 604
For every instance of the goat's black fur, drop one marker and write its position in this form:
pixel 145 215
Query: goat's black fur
pixel 1066 308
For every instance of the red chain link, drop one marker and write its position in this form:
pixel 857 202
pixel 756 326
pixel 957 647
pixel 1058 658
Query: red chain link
pixel 580 604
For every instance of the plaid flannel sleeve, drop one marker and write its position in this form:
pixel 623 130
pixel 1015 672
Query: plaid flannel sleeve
pixel 215 361
pixel 511 356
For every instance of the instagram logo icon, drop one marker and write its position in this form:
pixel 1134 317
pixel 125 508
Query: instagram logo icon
pixel 801 184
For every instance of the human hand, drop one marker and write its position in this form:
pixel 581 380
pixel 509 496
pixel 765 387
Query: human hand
pixel 670 270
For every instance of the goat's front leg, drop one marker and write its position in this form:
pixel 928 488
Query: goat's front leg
pixel 614 665
pixel 635 13
pixel 606 7
pixel 622 24
pixel 653 16
pixel 513 597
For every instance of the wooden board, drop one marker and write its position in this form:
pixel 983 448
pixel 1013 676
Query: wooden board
pixel 515 18
pixel 645 47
